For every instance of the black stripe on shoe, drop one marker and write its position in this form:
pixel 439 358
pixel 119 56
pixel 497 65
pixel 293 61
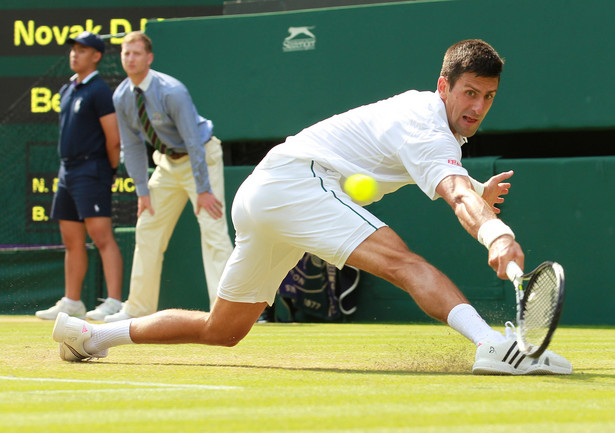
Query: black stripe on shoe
pixel 516 353
pixel 509 351
pixel 519 361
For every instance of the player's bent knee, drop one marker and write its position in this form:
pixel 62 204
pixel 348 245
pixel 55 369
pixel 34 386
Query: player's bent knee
pixel 229 322
pixel 222 336
pixel 230 341
pixel 225 340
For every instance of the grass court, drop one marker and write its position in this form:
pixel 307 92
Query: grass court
pixel 300 378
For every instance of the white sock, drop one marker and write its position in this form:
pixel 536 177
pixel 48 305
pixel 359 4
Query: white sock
pixel 464 319
pixel 108 335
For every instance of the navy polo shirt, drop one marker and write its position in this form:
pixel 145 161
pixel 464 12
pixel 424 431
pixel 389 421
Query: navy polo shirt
pixel 81 107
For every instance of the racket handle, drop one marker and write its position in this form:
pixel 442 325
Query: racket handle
pixel 513 271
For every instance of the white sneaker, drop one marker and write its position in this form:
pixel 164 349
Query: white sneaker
pixel 120 315
pixel 71 333
pixel 108 307
pixel 505 358
pixel 62 307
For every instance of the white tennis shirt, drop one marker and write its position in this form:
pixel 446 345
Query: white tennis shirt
pixel 402 140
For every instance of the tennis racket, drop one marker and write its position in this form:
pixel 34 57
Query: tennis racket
pixel 540 299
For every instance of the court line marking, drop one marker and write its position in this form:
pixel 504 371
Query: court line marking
pixel 96 391
pixel 121 382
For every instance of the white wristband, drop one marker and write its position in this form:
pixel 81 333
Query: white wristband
pixel 478 187
pixel 491 230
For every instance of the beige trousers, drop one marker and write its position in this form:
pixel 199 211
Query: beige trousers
pixel 171 186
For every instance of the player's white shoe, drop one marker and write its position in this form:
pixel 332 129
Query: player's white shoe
pixel 71 333
pixel 506 359
pixel 108 307
pixel 62 306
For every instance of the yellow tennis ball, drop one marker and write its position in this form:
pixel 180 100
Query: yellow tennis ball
pixel 361 187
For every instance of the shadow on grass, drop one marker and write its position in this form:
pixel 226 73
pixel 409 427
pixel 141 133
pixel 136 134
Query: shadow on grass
pixel 411 370
pixel 408 371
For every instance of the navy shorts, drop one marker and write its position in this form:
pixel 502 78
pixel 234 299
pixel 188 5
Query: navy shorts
pixel 84 191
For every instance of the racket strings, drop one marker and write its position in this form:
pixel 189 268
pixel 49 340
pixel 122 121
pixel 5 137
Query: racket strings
pixel 540 306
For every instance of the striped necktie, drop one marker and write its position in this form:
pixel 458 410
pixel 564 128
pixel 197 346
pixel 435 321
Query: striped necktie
pixel 147 125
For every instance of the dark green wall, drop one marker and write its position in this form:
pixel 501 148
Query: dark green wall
pixel 558 55
pixel 32 280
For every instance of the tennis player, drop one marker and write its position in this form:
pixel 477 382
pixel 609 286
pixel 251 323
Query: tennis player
pixel 293 202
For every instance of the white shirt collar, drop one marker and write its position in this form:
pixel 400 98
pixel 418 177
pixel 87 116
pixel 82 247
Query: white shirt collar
pixel 86 79
pixel 144 85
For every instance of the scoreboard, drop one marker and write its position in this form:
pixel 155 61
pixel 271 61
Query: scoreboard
pixel 33 67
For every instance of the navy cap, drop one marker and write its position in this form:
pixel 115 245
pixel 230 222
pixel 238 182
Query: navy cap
pixel 89 40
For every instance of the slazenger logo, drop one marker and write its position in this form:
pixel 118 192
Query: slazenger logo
pixel 299 39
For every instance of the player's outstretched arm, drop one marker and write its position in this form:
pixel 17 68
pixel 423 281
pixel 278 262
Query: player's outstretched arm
pixel 474 214
pixel 471 210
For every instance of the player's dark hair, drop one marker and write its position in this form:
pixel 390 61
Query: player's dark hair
pixel 471 55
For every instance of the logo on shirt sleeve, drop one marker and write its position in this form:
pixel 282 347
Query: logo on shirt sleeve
pixel 454 162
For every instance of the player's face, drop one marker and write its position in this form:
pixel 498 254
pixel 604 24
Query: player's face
pixel 468 102
pixel 135 59
pixel 83 59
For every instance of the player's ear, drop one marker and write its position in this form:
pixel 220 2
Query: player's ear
pixel 150 58
pixel 442 87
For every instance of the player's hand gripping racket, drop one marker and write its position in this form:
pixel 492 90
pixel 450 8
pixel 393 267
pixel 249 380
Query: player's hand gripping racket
pixel 540 299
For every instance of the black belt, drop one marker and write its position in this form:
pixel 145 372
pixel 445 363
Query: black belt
pixel 78 158
pixel 176 155
pixel 170 152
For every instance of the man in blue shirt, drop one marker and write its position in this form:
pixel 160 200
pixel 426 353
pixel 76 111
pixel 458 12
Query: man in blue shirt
pixel 89 149
pixel 156 108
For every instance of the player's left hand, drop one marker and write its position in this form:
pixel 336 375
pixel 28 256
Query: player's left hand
pixel 210 203
pixel 495 188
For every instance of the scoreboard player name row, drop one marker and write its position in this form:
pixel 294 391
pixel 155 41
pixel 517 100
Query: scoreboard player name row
pixel 48 184
pixel 44 30
pixel 29 33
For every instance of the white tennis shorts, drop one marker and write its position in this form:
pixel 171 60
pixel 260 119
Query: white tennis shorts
pixel 285 208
